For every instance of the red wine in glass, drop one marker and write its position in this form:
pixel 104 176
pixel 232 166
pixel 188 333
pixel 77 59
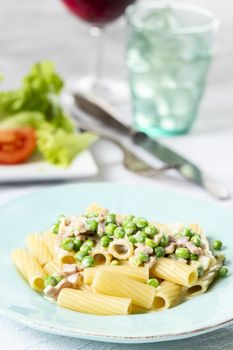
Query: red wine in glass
pixel 98 12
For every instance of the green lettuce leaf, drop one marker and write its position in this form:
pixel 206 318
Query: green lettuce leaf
pixel 61 148
pixel 36 104
pixel 57 145
pixel 34 119
pixel 39 92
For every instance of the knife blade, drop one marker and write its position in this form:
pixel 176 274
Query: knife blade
pixel 110 117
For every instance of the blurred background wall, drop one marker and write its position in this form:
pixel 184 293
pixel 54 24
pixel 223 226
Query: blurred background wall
pixel 33 30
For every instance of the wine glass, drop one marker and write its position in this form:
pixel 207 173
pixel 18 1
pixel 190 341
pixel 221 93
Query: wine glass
pixel 98 13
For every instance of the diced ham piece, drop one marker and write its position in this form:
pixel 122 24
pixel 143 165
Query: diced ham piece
pixel 182 261
pixel 103 213
pixel 170 248
pixel 68 231
pixel 75 280
pixel 50 291
pixel 82 225
pixel 151 262
pixel 171 238
pixel 193 249
pixel 182 241
pixel 62 284
pixel 73 221
pixel 158 237
pixel 101 228
pixel 69 269
pixel 143 248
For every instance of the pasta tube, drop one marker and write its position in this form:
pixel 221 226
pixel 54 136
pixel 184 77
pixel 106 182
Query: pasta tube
pixel 138 310
pixel 50 241
pixel 93 303
pixel 140 274
pixel 120 249
pixel 112 283
pixel 167 295
pixel 65 257
pixel 29 268
pixel 101 256
pixel 85 287
pixel 205 280
pixel 38 249
pixel 52 267
pixel 174 271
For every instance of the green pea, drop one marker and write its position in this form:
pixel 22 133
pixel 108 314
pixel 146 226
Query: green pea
pixel 130 228
pixel 109 229
pixel 91 225
pixel 136 262
pixel 127 219
pixel 140 222
pixel 88 261
pixel 194 256
pixel 119 232
pixel 196 240
pixel 91 215
pixel 164 241
pixel 223 271
pixel 110 218
pixel 132 239
pixel 140 237
pixel 67 244
pixel 105 241
pixel 187 232
pixel 143 256
pixel 217 245
pixel 159 252
pixel 77 243
pixel 79 256
pixel 55 228
pixel 151 231
pixel 150 243
pixel 200 271
pixel 115 263
pixel 52 280
pixel 85 249
pixel 89 243
pixel 182 253
pixel 153 282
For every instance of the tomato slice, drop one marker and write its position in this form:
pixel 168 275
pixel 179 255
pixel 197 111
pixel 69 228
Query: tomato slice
pixel 16 145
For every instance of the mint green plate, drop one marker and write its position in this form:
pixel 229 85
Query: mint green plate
pixel 38 211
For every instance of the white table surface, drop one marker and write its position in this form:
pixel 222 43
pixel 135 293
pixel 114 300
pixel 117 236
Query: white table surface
pixel 34 30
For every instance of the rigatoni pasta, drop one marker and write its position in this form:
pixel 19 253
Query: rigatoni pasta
pixel 29 268
pixel 140 274
pixel 38 249
pixel 52 268
pixel 101 256
pixel 50 241
pixel 175 271
pixel 104 263
pixel 112 283
pixel 168 295
pixel 93 303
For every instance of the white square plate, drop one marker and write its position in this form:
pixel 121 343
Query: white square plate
pixel 39 170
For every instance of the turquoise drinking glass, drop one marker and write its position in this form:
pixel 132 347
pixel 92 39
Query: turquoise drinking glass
pixel 170 46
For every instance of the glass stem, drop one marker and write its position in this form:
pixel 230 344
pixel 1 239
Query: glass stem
pixel 97 33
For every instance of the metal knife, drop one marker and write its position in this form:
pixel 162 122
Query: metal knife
pixel 110 117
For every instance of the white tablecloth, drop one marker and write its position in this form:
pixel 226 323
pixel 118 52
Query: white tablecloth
pixel 33 30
